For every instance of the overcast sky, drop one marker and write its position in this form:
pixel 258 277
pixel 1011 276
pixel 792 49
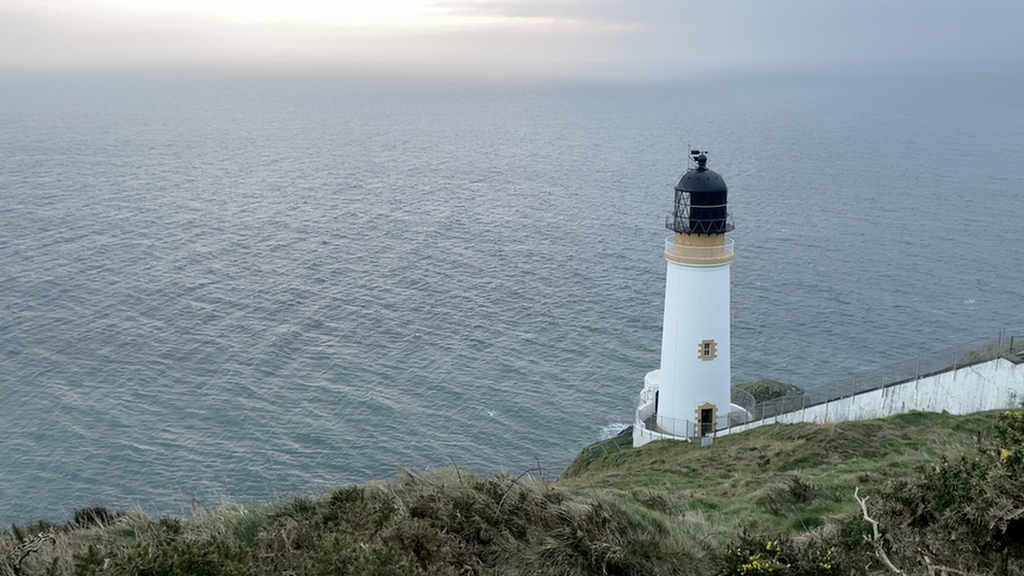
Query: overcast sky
pixel 512 34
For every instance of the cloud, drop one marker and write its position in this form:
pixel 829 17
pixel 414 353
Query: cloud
pixel 604 12
pixel 500 34
pixel 39 37
pixel 796 30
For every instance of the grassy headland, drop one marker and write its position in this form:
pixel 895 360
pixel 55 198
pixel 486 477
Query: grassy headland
pixel 947 491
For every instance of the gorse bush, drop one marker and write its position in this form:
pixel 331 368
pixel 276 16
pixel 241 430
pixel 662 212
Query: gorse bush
pixel 965 512
pixel 1008 445
pixel 95 516
pixel 763 555
pixel 797 493
pixel 946 494
pixel 446 523
pixel 753 556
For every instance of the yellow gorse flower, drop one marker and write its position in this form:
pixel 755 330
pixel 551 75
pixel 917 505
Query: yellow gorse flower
pixel 827 563
pixel 756 565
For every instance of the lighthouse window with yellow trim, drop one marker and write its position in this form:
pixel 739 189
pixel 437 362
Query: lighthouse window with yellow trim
pixel 708 350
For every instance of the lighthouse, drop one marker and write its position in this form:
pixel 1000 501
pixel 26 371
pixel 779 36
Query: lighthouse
pixel 689 396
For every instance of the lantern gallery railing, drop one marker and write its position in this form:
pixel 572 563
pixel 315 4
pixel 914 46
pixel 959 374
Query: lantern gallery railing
pixel 721 252
pixel 700 223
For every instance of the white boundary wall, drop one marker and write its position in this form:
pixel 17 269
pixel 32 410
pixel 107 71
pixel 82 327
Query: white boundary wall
pixel 990 385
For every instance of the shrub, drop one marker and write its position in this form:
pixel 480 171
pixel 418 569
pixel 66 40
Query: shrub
pixel 797 494
pixel 762 555
pixel 967 511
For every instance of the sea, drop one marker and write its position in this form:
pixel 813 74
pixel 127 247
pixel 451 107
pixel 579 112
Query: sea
pixel 239 287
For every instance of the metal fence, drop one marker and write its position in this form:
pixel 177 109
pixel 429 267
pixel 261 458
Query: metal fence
pixel 1008 343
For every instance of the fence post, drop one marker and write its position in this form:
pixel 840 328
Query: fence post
pixel 824 417
pixel 954 362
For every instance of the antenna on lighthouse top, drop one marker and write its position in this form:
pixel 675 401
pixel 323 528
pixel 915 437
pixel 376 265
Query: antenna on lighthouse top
pixel 701 158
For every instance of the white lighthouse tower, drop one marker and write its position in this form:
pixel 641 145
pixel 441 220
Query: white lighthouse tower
pixel 689 396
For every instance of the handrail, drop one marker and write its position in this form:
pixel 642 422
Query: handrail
pixel 1007 343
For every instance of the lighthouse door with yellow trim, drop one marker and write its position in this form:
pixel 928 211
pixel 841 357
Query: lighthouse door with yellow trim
pixel 707 413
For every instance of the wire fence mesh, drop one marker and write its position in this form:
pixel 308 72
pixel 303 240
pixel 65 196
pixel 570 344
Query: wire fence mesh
pixel 1007 344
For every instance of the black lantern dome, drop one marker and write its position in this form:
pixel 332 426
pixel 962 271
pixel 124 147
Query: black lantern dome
pixel 700 203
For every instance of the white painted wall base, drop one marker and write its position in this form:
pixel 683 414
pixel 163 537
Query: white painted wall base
pixel 991 385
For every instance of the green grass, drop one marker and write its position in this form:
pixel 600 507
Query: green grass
pixel 666 508
pixel 736 476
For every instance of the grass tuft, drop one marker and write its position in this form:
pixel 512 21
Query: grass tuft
pixel 774 499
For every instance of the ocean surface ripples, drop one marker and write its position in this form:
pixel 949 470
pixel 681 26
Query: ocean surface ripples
pixel 244 288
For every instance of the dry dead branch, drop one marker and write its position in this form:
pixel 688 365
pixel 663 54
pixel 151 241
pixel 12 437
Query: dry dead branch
pixel 876 539
pixel 26 548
